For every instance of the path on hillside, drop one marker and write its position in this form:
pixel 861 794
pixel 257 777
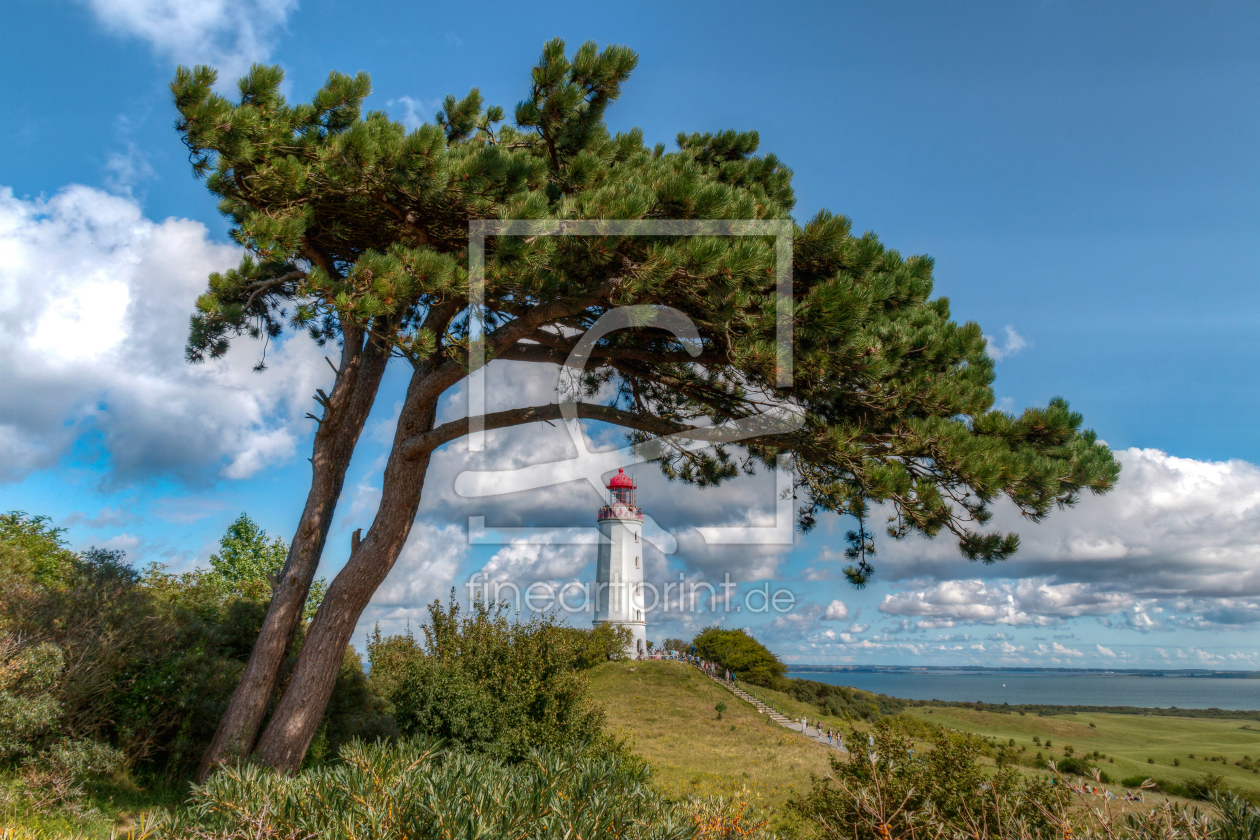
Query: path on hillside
pixel 782 720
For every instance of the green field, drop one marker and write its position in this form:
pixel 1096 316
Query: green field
pixel 1127 741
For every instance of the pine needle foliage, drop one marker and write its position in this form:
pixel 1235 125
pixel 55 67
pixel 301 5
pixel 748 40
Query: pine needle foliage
pixel 349 218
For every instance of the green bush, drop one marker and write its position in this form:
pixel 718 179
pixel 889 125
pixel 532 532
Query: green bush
pixel 140 664
pixel 735 650
pixel 602 643
pixel 883 788
pixel 29 709
pixel 842 701
pixel 50 768
pixel 1205 787
pixel 1075 767
pixel 487 684
pixel 414 789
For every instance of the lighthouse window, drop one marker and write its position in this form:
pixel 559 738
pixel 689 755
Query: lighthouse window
pixel 636 536
pixel 636 562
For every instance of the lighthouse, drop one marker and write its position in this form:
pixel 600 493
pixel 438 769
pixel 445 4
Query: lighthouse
pixel 618 592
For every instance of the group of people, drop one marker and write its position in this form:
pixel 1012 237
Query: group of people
pixel 710 668
pixel 833 737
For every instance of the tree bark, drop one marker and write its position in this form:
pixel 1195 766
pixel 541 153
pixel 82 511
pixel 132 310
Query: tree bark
pixel 297 717
pixel 346 411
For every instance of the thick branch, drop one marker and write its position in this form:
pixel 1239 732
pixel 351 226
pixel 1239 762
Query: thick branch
pixel 538 353
pixel 422 444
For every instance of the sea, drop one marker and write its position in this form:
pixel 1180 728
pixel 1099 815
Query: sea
pixel 1051 688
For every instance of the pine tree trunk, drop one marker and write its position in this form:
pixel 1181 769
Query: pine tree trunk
pixel 296 719
pixel 346 412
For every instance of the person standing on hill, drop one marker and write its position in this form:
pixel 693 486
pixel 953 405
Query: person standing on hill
pixel 804 725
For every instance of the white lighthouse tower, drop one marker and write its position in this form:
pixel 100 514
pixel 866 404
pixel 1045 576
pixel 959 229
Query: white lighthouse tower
pixel 619 571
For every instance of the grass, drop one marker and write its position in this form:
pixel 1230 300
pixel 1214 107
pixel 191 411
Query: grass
pixel 665 710
pixel 110 806
pixel 795 709
pixel 1128 739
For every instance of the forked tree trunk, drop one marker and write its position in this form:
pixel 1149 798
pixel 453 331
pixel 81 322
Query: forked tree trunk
pixel 296 719
pixel 346 412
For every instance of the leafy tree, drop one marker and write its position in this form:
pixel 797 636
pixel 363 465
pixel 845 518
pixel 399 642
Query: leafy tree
pixel 245 556
pixel 33 548
pixel 735 650
pixel 247 564
pixel 357 232
pixel 100 662
pixel 599 644
pixel 677 645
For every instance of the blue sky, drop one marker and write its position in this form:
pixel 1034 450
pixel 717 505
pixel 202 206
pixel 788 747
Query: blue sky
pixel 1085 177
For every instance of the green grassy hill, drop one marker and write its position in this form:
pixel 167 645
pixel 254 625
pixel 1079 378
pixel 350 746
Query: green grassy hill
pixel 665 709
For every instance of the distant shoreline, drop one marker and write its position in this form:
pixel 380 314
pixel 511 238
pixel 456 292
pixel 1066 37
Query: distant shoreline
pixel 958 670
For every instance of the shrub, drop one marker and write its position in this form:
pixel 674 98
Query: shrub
pixel 886 790
pixel 1081 767
pixel 1205 787
pixel 487 684
pixel 842 701
pixel 725 818
pixel 748 658
pixel 148 659
pixel 29 709
pixel 602 643
pixel 413 789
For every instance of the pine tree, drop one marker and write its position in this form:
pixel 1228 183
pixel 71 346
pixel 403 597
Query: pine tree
pixel 357 231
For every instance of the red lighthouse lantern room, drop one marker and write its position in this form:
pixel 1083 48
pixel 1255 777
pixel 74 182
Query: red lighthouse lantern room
pixel 622 499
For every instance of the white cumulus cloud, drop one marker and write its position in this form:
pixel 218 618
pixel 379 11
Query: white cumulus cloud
pixel 427 568
pixel 1025 602
pixel 94 306
pixel 1175 534
pixel 836 611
